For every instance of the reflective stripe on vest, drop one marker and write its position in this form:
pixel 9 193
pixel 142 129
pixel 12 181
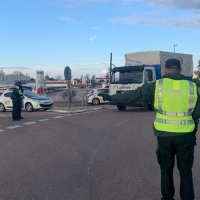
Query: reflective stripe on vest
pixel 165 121
pixel 179 96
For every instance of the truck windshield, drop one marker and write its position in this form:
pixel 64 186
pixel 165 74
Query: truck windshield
pixel 127 77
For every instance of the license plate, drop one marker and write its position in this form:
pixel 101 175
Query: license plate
pixel 47 103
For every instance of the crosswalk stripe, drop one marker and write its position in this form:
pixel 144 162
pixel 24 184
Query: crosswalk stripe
pixel 28 123
pixel 43 120
pixel 57 117
pixel 12 127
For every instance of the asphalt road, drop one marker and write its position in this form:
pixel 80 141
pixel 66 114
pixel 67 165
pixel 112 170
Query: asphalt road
pixel 101 155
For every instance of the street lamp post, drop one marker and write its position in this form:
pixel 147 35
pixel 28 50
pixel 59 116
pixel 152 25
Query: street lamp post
pixel 107 74
pixel 175 47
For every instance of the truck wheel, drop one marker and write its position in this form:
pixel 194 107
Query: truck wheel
pixel 150 107
pixel 95 101
pixel 2 108
pixel 121 107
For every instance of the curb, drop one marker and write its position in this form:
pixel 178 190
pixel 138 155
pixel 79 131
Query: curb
pixel 74 111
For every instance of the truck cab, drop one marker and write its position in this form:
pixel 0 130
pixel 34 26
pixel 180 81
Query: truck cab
pixel 130 78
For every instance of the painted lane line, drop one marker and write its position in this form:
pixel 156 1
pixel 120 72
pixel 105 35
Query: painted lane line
pixel 43 120
pixel 123 122
pixel 5 115
pixel 58 117
pixel 29 123
pixel 1 130
pixel 12 127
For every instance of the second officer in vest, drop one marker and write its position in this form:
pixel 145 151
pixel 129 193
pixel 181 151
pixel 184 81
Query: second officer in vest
pixel 177 107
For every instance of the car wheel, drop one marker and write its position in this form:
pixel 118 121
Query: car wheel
pixel 2 108
pixel 95 101
pixel 121 107
pixel 29 107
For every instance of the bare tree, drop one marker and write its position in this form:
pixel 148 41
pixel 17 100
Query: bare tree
pixel 18 73
pixel 2 72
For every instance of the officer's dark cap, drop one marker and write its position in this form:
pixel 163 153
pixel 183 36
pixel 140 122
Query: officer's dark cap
pixel 173 64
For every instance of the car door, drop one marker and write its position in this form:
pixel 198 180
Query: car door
pixel 7 99
pixel 102 91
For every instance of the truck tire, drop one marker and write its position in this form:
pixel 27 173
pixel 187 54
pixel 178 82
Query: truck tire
pixel 150 107
pixel 120 107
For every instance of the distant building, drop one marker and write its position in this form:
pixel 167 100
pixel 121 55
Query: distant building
pixel 9 80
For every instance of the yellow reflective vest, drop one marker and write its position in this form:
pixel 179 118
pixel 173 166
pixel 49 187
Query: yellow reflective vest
pixel 174 102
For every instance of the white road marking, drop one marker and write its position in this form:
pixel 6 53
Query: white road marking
pixel 28 123
pixel 58 117
pixel 5 115
pixel 123 122
pixel 43 120
pixel 12 127
pixel 1 130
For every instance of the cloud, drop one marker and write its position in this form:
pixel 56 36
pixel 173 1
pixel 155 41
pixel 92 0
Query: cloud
pixel 70 20
pixel 105 71
pixel 178 4
pixel 93 27
pixel 93 38
pixel 148 19
pixel 85 1
pixel 183 13
pixel 86 69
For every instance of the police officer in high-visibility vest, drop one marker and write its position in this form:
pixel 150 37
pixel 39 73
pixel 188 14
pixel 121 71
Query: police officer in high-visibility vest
pixel 16 100
pixel 177 106
pixel 20 90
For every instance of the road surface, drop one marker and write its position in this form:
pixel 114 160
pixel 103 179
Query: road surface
pixel 101 155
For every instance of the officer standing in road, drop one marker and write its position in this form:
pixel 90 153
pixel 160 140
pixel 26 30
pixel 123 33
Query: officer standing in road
pixel 16 101
pixel 20 90
pixel 177 107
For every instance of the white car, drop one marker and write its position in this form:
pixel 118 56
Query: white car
pixel 93 97
pixel 31 101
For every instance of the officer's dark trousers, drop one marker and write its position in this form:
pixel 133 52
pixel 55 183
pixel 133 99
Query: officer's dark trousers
pixel 183 148
pixel 15 111
pixel 20 109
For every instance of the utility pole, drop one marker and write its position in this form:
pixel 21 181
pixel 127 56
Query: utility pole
pixel 175 47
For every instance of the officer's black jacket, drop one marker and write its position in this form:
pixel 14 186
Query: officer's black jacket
pixel 15 95
pixel 146 94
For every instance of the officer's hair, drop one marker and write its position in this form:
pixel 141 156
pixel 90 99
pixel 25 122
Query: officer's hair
pixel 173 64
pixel 173 70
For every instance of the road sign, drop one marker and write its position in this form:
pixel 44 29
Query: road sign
pixel 67 73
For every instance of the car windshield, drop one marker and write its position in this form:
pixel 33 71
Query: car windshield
pixel 100 91
pixel 91 92
pixel 30 94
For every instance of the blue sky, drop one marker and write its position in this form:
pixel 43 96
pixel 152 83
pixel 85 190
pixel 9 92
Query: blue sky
pixel 51 34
